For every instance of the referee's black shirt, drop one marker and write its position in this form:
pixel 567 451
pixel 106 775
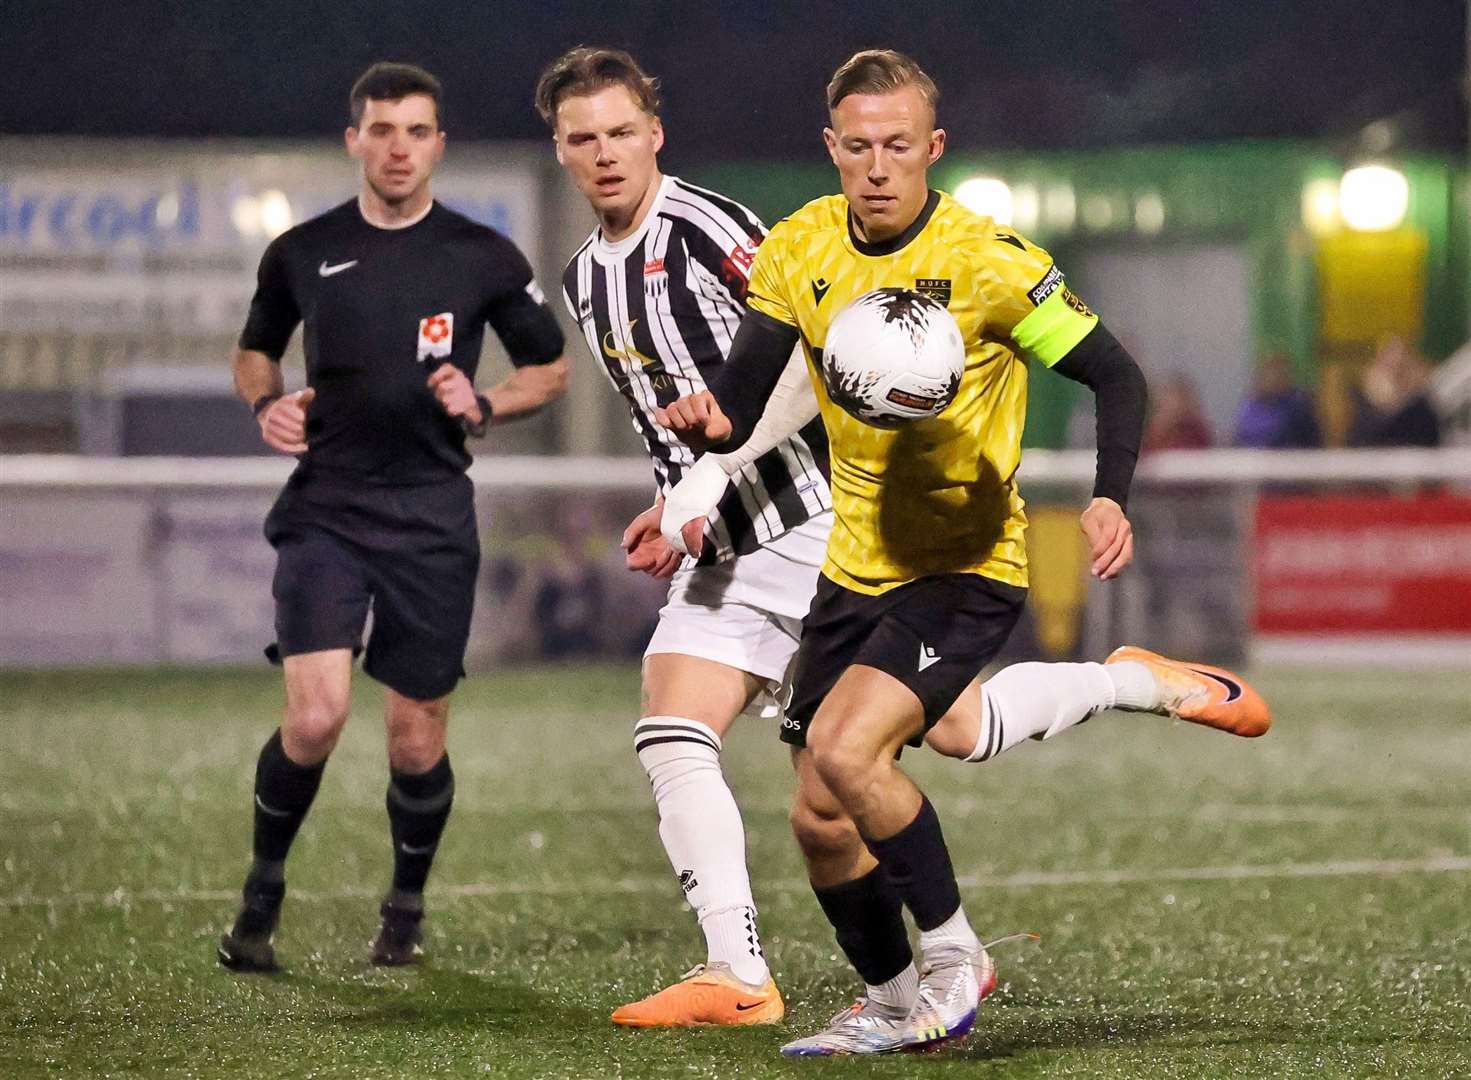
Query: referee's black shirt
pixel 382 308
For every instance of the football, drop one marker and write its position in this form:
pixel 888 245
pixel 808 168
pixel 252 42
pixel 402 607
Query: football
pixel 893 356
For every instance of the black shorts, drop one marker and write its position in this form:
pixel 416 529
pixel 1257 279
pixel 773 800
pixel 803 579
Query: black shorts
pixel 934 635
pixel 410 552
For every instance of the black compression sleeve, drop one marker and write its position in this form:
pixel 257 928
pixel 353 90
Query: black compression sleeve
pixel 1100 363
pixel 744 383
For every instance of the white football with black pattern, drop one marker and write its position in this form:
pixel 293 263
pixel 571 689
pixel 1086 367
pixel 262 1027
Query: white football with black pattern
pixel 892 357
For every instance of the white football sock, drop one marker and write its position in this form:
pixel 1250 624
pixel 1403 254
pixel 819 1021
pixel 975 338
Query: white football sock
pixel 951 936
pixel 897 995
pixel 1037 701
pixel 730 935
pixel 701 828
pixel 1135 686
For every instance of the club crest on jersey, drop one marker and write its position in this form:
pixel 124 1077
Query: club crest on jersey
pixel 436 335
pixel 656 277
pixel 937 287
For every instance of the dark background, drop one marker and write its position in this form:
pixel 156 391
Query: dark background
pixel 744 81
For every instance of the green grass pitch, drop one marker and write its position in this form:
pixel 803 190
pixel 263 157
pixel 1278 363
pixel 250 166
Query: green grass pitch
pixel 1295 906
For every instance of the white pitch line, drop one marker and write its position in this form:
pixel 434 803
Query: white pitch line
pixel 1444 864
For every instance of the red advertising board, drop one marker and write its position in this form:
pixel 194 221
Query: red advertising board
pixel 1363 564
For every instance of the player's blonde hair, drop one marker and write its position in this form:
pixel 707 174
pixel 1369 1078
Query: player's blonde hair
pixel 588 69
pixel 880 71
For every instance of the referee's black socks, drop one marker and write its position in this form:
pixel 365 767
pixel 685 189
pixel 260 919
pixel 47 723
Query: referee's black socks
pixel 284 792
pixel 418 807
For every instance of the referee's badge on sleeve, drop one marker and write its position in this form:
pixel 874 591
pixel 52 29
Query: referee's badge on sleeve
pixel 436 335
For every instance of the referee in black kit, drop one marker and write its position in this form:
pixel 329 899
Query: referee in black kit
pixel 394 291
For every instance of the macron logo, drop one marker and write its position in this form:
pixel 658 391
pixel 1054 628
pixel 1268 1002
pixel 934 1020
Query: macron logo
pixel 328 271
pixel 927 657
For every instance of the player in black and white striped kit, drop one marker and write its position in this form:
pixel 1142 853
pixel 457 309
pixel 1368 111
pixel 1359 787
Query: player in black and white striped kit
pixel 659 308
pixel 658 291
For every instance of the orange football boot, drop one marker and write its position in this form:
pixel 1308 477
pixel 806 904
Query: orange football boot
pixel 1202 694
pixel 709 995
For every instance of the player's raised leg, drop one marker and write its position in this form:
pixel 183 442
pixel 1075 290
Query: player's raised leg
pixel 690 703
pixel 1040 700
pixel 421 790
pixel 287 775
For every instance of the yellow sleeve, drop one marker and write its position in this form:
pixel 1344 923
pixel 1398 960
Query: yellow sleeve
pixel 767 291
pixel 1030 302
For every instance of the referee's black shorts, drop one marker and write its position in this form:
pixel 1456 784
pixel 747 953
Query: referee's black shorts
pixel 933 634
pixel 410 552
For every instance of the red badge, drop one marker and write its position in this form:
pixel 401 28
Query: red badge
pixel 436 335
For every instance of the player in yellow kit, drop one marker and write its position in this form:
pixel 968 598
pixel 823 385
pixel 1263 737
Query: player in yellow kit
pixel 925 572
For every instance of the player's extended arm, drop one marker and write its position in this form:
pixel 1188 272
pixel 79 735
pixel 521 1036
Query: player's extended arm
pixel 726 414
pixel 1121 397
pixel 791 406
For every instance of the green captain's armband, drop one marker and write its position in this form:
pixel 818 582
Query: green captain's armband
pixel 1058 324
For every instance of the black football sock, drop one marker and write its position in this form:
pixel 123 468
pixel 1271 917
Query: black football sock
pixel 284 792
pixel 918 865
pixel 418 807
pixel 868 916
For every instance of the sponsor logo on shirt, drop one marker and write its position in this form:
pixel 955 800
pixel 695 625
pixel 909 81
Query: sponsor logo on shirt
pixel 436 335
pixel 1046 287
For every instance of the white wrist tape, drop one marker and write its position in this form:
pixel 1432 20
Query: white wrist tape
pixel 695 496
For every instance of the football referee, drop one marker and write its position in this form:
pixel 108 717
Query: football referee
pixel 394 291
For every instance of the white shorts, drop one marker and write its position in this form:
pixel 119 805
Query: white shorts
pixel 747 612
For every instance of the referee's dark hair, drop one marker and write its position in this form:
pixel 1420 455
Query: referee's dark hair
pixel 588 69
pixel 880 71
pixel 387 81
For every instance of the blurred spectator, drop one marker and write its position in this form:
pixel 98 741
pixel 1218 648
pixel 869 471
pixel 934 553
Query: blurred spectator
pixel 1177 422
pixel 1392 406
pixel 1279 414
pixel 569 609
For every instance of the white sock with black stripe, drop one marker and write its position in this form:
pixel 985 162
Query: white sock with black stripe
pixel 1038 701
pixel 700 826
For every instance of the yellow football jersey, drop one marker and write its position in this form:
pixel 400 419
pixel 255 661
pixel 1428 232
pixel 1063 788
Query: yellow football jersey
pixel 937 496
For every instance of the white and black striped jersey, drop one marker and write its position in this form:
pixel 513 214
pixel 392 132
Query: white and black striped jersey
pixel 660 308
